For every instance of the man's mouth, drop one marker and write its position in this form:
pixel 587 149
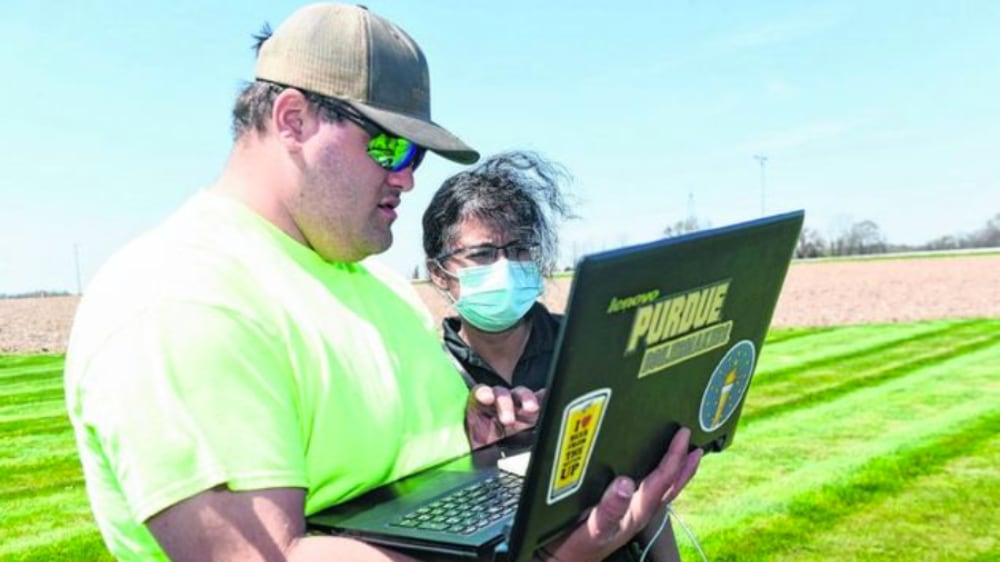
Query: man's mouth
pixel 388 206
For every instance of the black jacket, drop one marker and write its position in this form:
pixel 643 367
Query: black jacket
pixel 532 368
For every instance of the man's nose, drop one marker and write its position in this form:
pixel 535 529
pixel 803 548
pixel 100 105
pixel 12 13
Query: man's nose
pixel 402 179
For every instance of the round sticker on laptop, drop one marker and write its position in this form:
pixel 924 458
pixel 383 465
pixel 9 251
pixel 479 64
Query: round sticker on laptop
pixel 725 388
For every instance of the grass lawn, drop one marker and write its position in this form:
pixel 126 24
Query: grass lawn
pixel 860 443
pixel 44 513
pixel 857 443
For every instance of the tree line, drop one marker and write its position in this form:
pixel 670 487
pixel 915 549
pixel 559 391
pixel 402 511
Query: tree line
pixel 35 294
pixel 864 237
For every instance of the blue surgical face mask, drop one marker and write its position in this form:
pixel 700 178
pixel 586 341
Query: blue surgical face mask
pixel 494 297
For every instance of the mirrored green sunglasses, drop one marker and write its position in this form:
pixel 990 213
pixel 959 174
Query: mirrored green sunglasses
pixel 394 153
pixel 389 151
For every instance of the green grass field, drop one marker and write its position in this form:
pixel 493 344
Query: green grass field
pixel 857 443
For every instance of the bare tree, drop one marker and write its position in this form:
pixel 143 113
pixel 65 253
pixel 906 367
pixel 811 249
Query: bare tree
pixel 989 236
pixel 684 226
pixel 947 242
pixel 811 244
pixel 866 238
pixel 839 235
pixel 853 238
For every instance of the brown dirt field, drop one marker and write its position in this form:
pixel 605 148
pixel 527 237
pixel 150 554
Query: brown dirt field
pixel 815 294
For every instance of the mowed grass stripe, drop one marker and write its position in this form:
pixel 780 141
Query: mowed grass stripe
pixel 75 537
pixel 781 335
pixel 67 543
pixel 803 520
pixel 33 513
pixel 12 428
pixel 812 345
pixel 19 361
pixel 11 375
pixel 775 460
pixel 989 556
pixel 43 474
pixel 787 360
pixel 921 520
pixel 59 480
pixel 820 384
pixel 28 450
pixel 40 409
pixel 55 509
pixel 32 394
pixel 10 379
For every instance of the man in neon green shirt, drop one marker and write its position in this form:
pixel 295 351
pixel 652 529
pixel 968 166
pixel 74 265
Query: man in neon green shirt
pixel 239 367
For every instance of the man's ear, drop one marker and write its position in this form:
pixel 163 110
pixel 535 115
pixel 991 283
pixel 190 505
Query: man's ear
pixel 293 118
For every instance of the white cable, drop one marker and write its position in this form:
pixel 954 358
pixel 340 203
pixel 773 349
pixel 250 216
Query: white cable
pixel 666 517
pixel 659 531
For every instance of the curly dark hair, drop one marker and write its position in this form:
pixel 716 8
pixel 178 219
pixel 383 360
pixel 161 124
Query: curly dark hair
pixel 518 192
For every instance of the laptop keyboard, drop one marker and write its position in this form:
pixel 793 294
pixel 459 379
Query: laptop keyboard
pixel 468 509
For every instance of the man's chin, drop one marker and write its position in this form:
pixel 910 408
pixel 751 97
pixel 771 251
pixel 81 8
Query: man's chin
pixel 385 244
pixel 379 245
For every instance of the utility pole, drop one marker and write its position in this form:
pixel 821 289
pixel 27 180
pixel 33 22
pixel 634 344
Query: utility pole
pixel 763 180
pixel 76 260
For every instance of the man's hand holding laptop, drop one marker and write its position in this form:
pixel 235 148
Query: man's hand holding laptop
pixel 625 509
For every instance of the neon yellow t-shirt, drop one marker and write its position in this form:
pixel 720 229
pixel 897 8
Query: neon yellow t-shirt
pixel 216 350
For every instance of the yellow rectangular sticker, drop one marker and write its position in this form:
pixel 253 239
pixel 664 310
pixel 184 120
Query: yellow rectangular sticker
pixel 581 423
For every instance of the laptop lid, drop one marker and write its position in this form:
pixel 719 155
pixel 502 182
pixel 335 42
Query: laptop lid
pixel 656 336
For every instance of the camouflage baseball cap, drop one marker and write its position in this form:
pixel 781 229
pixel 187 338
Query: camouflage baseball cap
pixel 348 53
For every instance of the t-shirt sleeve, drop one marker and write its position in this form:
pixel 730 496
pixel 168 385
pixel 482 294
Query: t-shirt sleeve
pixel 193 396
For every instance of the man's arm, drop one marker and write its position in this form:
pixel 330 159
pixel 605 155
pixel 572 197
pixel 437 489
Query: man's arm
pixel 255 526
pixel 268 525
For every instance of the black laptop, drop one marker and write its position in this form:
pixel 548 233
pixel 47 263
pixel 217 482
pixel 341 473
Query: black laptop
pixel 655 336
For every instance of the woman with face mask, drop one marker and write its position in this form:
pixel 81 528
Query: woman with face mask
pixel 489 238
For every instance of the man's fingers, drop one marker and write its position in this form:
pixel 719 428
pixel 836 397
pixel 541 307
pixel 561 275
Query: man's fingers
pixel 660 484
pixel 673 462
pixel 605 519
pixel 690 467
pixel 687 472
pixel 680 442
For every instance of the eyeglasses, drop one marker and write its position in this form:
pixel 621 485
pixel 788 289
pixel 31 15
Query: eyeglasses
pixel 485 254
pixel 389 151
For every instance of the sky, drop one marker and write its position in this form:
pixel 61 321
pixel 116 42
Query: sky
pixel 115 112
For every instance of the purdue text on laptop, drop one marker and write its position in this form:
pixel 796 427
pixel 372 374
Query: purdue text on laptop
pixel 656 336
